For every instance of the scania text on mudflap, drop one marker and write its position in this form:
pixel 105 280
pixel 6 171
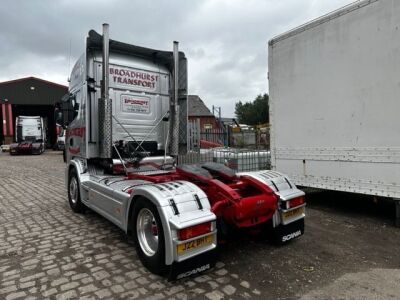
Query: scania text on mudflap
pixel 30 136
pixel 126 118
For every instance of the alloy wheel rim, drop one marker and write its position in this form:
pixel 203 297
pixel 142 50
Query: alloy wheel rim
pixel 147 232
pixel 73 190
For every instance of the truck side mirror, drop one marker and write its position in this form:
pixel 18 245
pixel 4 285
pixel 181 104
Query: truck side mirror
pixel 66 97
pixel 58 117
pixel 67 110
pixel 76 109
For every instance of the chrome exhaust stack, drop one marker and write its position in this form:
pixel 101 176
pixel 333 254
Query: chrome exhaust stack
pixel 174 107
pixel 105 107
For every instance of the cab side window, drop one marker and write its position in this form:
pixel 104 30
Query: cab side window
pixel 76 104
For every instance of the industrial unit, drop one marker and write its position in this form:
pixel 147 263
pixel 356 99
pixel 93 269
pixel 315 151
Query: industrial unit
pixel 28 96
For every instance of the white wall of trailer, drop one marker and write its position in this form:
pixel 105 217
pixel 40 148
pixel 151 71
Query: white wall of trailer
pixel 335 100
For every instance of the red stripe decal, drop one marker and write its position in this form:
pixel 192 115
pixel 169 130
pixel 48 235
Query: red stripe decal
pixel 74 150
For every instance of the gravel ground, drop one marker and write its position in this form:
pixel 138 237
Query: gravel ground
pixel 350 249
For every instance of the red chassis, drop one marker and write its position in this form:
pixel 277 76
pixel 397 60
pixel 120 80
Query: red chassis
pixel 239 200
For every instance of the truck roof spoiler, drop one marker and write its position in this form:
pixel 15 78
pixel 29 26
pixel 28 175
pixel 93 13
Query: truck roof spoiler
pixel 94 42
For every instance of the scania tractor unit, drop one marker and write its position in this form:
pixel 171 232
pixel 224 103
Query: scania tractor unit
pixel 126 121
pixel 30 136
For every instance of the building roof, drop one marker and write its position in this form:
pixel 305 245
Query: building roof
pixel 31 91
pixel 32 78
pixel 229 121
pixel 197 108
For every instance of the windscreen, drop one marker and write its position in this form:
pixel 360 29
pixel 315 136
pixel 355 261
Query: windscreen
pixel 29 130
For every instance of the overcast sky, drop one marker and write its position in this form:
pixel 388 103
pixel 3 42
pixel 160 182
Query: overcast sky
pixel 225 40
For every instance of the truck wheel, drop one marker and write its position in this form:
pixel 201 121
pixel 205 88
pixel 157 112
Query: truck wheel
pixel 149 238
pixel 74 195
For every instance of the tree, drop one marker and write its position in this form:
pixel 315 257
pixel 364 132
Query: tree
pixel 254 112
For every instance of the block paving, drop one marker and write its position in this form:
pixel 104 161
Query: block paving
pixel 48 252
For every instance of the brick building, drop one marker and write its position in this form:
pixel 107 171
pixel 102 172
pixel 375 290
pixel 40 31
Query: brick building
pixel 197 110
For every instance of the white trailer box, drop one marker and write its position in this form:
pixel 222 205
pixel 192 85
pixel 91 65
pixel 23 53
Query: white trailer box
pixel 335 100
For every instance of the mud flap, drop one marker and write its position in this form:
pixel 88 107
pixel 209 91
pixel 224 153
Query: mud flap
pixel 194 265
pixel 286 233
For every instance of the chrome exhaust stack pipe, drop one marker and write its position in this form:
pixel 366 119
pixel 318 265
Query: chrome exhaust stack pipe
pixel 105 107
pixel 174 107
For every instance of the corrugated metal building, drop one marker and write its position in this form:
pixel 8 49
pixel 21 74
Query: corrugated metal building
pixel 28 96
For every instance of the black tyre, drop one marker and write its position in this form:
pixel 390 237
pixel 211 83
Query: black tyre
pixel 149 237
pixel 74 195
pixel 40 151
pixel 226 233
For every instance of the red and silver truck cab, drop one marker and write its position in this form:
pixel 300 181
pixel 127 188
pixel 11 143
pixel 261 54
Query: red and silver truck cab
pixel 30 135
pixel 126 114
pixel 139 93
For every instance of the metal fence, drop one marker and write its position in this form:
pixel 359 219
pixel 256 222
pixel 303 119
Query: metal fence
pixel 216 136
pixel 239 160
pixel 226 137
pixel 246 150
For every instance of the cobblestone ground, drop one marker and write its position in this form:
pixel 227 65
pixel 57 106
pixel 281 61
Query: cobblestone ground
pixel 46 251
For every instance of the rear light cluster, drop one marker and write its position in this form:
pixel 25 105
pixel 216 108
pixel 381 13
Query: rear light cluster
pixel 193 231
pixel 295 202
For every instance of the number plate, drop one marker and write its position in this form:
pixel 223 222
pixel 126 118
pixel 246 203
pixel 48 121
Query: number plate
pixel 188 246
pixel 293 213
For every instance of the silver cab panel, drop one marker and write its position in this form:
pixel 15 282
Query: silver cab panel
pixel 139 90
